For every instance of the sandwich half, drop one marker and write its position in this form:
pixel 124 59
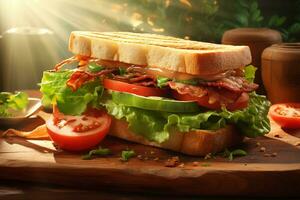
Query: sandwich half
pixel 191 97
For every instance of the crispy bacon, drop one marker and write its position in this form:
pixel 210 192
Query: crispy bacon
pixel 78 78
pixel 236 84
pixel 83 60
pixel 147 83
pixel 197 91
pixel 64 62
pixel 136 75
pixel 141 78
pixel 214 94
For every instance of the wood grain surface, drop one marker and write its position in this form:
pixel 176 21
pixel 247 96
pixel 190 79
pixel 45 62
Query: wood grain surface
pixel 273 172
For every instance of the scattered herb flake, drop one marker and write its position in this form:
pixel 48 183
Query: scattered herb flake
pixel 127 154
pixel 232 154
pixel 205 164
pixel 96 152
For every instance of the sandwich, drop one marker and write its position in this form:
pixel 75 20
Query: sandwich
pixel 186 96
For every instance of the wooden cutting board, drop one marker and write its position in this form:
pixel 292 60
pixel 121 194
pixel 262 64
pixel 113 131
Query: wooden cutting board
pixel 275 172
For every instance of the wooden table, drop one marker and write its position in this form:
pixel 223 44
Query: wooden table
pixel 257 174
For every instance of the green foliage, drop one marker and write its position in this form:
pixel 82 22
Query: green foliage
pixel 207 20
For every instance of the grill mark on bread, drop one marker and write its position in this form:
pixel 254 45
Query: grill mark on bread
pixel 157 41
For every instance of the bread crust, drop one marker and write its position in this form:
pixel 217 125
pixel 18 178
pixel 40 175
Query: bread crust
pixel 196 143
pixel 196 58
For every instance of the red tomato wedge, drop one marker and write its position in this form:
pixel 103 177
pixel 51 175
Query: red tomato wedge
pixel 287 115
pixel 78 133
pixel 240 103
pixel 132 88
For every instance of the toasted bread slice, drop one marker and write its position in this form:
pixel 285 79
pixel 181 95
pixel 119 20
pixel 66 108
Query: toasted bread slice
pixel 196 58
pixel 196 143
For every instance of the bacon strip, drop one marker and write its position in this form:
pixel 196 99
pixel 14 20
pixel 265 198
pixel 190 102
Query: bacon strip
pixel 78 78
pixel 141 78
pixel 214 94
pixel 64 62
pixel 197 91
pixel 236 84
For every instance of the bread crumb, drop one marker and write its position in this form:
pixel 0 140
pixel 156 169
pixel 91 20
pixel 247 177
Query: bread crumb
pixel 267 155
pixel 274 154
pixel 257 144
pixel 172 162
pixel 146 158
pixel 140 157
pixel 195 163
pixel 156 158
pixel 152 152
pixel 207 156
pixel 262 149
pixel 181 165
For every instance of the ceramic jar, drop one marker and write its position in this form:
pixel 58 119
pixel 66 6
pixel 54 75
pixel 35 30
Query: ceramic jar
pixel 257 39
pixel 281 72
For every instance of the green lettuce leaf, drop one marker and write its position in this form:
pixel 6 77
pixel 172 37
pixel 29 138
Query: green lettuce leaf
pixel 52 83
pixel 17 101
pixel 156 126
pixel 249 72
pixel 55 90
pixel 162 81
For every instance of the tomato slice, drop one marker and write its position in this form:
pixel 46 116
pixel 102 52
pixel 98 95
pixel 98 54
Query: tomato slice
pixel 132 88
pixel 240 103
pixel 287 115
pixel 77 133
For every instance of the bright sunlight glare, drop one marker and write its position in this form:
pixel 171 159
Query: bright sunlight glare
pixel 22 52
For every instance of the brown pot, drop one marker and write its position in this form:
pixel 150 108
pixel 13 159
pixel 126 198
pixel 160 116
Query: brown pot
pixel 281 72
pixel 1 64
pixel 257 39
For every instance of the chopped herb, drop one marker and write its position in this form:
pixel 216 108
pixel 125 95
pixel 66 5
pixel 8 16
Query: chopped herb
pixel 162 81
pixel 122 71
pixel 205 164
pixel 96 152
pixel 93 67
pixel 127 154
pixel 235 153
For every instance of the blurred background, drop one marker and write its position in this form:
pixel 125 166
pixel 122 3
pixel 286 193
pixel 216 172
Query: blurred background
pixel 34 33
